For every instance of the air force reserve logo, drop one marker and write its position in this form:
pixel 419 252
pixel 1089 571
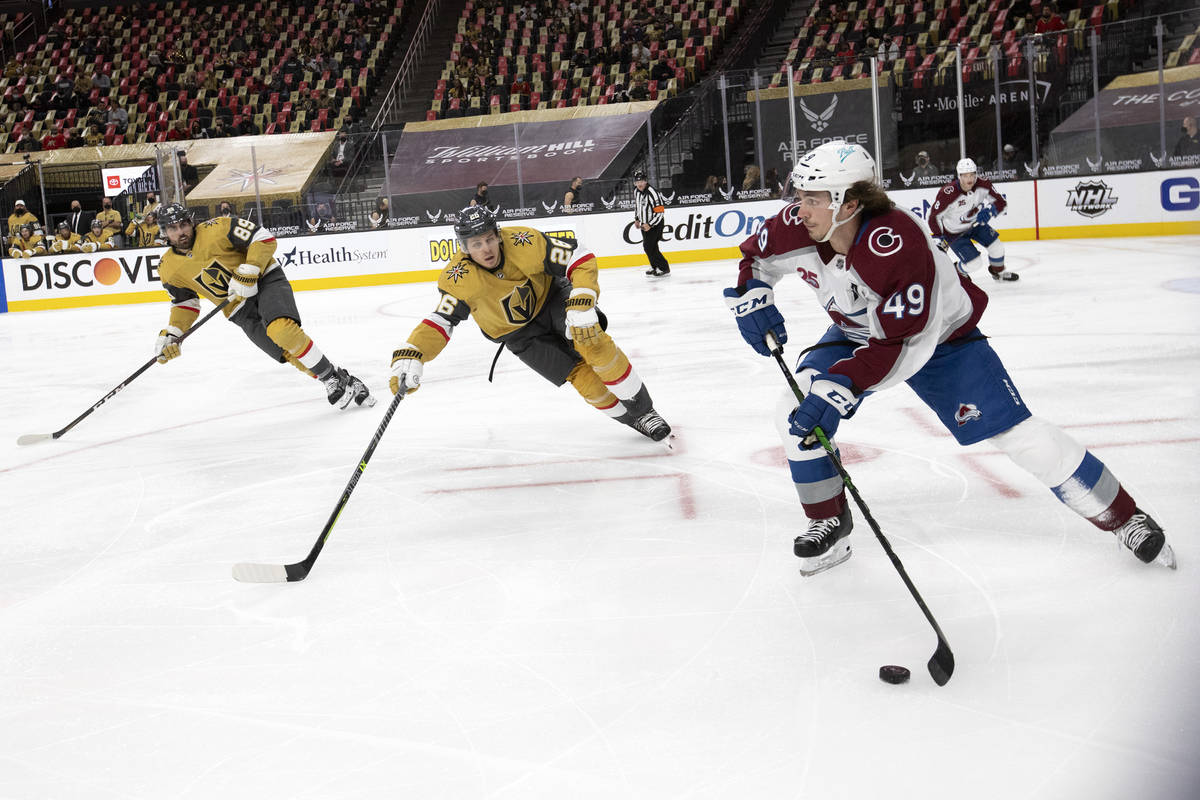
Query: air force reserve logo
pixel 967 412
pixel 819 121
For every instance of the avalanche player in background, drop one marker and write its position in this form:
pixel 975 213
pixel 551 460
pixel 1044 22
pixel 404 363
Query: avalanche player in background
pixel 960 217
pixel 535 294
pixel 902 313
pixel 233 259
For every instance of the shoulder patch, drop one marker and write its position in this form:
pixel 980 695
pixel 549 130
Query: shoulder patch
pixel 884 242
pixel 521 237
pixel 456 272
pixel 949 189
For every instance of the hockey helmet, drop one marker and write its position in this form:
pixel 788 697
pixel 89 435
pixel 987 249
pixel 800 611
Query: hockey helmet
pixel 27 230
pixel 473 221
pixel 639 175
pixel 97 224
pixel 63 226
pixel 833 167
pixel 173 214
pixel 966 166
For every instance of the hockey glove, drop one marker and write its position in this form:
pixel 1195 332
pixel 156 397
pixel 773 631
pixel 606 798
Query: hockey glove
pixel 829 399
pixel 243 284
pixel 582 321
pixel 406 367
pixel 756 314
pixel 167 346
pixel 985 215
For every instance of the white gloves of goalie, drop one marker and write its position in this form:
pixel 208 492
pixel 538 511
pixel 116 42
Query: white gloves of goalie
pixel 243 284
pixel 167 346
pixel 406 368
pixel 582 321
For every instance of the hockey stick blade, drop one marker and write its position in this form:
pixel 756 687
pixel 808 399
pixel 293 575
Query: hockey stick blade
pixel 291 573
pixel 941 663
pixel 34 438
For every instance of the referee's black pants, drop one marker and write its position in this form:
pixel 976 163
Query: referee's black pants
pixel 650 240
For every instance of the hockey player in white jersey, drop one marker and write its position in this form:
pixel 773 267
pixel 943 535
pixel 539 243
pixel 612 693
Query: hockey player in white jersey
pixel 902 313
pixel 960 216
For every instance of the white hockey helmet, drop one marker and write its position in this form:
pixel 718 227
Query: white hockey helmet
pixel 833 167
pixel 966 166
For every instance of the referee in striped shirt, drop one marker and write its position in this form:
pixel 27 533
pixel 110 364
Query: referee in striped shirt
pixel 648 215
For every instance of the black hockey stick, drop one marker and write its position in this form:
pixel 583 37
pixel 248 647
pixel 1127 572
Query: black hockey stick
pixel 290 573
pixel 33 438
pixel 941 663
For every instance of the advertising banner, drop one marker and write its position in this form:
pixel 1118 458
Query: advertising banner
pixel 1109 205
pixel 121 179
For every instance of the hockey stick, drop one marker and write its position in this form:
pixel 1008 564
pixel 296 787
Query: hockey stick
pixel 941 663
pixel 290 573
pixel 33 438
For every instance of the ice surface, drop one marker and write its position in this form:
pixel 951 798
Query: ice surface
pixel 525 600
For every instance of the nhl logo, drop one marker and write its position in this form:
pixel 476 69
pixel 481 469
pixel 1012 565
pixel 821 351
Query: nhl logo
pixel 1091 198
pixel 967 412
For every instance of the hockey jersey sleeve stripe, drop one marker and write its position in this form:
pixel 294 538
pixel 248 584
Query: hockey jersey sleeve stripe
pixel 584 255
pixel 445 334
pixel 306 349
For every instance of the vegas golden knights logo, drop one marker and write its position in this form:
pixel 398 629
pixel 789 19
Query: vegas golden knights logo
pixel 215 278
pixel 518 304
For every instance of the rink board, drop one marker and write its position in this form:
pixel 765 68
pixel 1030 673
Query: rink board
pixel 1141 204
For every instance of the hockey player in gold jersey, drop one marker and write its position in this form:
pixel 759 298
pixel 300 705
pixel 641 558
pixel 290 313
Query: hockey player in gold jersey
pixel 229 258
pixel 537 295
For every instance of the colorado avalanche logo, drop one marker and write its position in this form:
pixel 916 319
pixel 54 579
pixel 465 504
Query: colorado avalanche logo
pixel 456 272
pixel 884 242
pixel 522 237
pixel 967 412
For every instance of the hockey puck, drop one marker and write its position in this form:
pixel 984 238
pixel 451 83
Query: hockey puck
pixel 890 673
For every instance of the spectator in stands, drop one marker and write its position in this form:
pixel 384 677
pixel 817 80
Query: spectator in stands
pixel 896 49
pixel 83 84
pixel 93 138
pixel 639 73
pixel 65 240
pixel 378 218
pixel 225 209
pixel 639 91
pixel 179 132
pixel 78 221
pixel 1009 160
pixel 580 59
pixel 573 195
pixel 717 188
pixel 75 138
pixel 1030 24
pixel 343 154
pixel 750 179
pixel 924 168
pixel 661 73
pixel 20 216
pixel 619 94
pixel 520 87
pixel 55 140
pixel 112 222
pixel 218 130
pixel 1050 20
pixel 101 81
pixel 320 219
pixel 187 173
pixel 27 144
pixel 773 184
pixel 639 54
pixel 481 194
pixel 115 115
pixel 1189 142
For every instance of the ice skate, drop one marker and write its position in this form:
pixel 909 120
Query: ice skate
pixel 341 387
pixel 825 543
pixel 1001 274
pixel 1146 540
pixel 652 426
pixel 658 273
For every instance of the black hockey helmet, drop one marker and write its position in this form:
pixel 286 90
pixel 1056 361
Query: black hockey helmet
pixel 64 225
pixel 27 229
pixel 473 221
pixel 639 175
pixel 172 214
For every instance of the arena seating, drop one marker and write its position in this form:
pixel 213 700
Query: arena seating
pixel 499 41
pixel 194 63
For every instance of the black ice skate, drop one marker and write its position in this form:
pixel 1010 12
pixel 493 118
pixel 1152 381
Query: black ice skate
pixel 1143 536
pixel 652 426
pixel 658 273
pixel 341 387
pixel 1001 274
pixel 824 544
